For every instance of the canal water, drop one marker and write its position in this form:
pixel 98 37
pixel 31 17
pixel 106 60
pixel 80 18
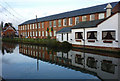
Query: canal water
pixel 24 61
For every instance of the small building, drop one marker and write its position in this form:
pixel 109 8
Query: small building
pixel 9 32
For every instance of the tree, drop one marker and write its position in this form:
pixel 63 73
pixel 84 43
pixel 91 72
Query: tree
pixel 6 25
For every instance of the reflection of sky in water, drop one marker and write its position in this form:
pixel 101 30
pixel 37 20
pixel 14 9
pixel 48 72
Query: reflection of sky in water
pixel 17 66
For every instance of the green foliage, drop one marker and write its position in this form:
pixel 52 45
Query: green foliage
pixel 52 43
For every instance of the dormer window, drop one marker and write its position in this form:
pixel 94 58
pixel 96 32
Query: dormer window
pixel 70 21
pixel 101 15
pixel 76 20
pixel 92 17
pixel 84 18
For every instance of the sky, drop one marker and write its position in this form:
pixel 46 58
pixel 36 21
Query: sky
pixel 19 11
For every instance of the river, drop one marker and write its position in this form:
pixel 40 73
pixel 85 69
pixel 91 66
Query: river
pixel 25 61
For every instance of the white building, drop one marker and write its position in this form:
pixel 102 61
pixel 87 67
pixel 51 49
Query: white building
pixel 96 33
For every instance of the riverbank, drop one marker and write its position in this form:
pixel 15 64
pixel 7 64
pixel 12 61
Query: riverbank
pixel 52 43
pixel 45 42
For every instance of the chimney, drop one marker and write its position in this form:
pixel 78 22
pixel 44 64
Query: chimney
pixel 108 10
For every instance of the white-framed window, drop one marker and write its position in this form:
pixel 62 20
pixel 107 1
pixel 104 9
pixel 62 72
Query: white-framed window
pixel 28 33
pixel 92 17
pixel 46 33
pixel 50 33
pixel 59 23
pixel 109 35
pixel 23 27
pixel 42 24
pixel 76 20
pixel 78 35
pixel 50 23
pixel 54 23
pixel 54 32
pixel 36 25
pixel 30 26
pixel 39 33
pixel 42 33
pixel 84 18
pixel 101 15
pixel 70 21
pixel 23 33
pixel 33 33
pixel 33 26
pixel 36 33
pixel 20 27
pixel 92 35
pixel 64 22
pixel 39 25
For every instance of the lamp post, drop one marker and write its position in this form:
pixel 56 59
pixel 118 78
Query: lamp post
pixel 37 26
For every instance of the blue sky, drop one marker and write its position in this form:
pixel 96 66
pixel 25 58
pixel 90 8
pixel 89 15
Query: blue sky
pixel 18 11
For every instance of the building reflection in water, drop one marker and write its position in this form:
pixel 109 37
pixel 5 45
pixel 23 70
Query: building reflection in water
pixel 8 47
pixel 104 66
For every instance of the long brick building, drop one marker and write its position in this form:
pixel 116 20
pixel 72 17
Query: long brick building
pixel 49 25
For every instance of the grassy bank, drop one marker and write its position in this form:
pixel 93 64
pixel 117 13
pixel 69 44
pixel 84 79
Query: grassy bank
pixel 52 43
pixel 46 42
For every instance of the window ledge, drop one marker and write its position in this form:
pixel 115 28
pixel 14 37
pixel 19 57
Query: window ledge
pixel 107 41
pixel 78 40
pixel 91 40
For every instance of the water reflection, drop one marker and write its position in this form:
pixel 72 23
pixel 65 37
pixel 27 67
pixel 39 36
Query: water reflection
pixel 8 47
pixel 102 65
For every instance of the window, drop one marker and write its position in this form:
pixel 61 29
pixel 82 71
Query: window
pixel 59 22
pixel 110 35
pixel 84 18
pixel 50 23
pixel 33 33
pixel 76 20
pixel 46 33
pixel 64 22
pixel 20 27
pixel 42 24
pixel 108 66
pixel 36 33
pixel 39 25
pixel 70 21
pixel 54 33
pixel 39 33
pixel 23 27
pixel 92 35
pixel 42 33
pixel 50 33
pixel 30 26
pixel 91 62
pixel 78 35
pixel 33 26
pixel 36 25
pixel 101 15
pixel 28 33
pixel 54 23
pixel 92 17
